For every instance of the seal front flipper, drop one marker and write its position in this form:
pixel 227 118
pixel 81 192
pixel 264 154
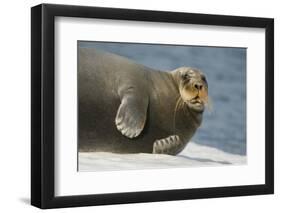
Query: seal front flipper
pixel 131 114
pixel 171 145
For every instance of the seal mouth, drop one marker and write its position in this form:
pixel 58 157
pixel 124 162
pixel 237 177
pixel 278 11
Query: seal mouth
pixel 196 100
pixel 196 104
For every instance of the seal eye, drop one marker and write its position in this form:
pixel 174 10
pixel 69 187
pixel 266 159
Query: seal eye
pixel 185 76
pixel 204 79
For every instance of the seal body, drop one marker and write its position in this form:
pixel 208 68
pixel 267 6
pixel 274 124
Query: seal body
pixel 126 107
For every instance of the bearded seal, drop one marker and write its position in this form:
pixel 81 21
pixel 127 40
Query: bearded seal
pixel 125 107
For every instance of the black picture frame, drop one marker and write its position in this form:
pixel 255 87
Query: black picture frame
pixel 43 117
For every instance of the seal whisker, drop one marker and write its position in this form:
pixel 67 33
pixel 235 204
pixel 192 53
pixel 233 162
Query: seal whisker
pixel 209 104
pixel 185 109
pixel 178 106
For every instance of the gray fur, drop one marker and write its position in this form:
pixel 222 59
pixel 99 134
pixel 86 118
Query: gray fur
pixel 125 107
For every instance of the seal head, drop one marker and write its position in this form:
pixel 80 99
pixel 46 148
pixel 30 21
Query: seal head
pixel 193 88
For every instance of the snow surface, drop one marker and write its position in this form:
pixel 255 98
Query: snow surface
pixel 194 155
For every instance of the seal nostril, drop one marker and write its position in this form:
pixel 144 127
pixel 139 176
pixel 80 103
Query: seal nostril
pixel 198 86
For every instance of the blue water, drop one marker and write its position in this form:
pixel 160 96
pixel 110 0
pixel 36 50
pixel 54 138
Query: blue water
pixel 224 127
